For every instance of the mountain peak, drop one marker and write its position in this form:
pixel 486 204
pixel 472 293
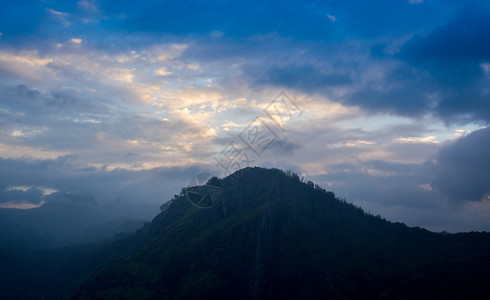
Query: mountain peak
pixel 274 236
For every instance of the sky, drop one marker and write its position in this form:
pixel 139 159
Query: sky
pixel 385 103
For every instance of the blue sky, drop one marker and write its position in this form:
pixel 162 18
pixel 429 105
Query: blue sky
pixel 129 99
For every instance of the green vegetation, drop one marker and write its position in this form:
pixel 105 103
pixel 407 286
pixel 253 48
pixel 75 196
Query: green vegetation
pixel 274 236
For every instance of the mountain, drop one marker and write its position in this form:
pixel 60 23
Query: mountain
pixel 41 251
pixel 67 220
pixel 272 236
pixel 52 273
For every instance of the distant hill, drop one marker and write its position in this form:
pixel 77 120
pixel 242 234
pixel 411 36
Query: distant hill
pixel 67 220
pixel 273 236
pixel 48 251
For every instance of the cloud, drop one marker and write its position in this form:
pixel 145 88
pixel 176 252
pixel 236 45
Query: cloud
pixel 124 75
pixel 18 196
pixel 88 5
pixel 463 168
pixel 380 182
pixel 405 95
pixel 461 40
pixel 59 16
pixel 76 42
pixel 427 139
pixel 133 89
pixel 283 147
pixel 30 58
pixel 306 78
pixel 65 174
pixel 453 55
pixel 440 73
pixel 228 18
pixel 162 72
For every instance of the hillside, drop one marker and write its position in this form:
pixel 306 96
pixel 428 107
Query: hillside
pixel 272 236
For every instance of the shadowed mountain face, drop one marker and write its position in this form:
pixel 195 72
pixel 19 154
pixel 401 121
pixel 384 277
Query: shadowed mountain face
pixel 272 236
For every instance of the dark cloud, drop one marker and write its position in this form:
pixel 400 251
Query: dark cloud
pixel 463 40
pixel 439 73
pixel 32 195
pixel 237 18
pixel 404 92
pixel 463 167
pixel 381 182
pixel 283 147
pixel 65 174
pixel 370 19
pixel 305 77
pixel 56 103
pixel 301 20
pixel 70 198
pixel 453 54
pixel 458 171
pixel 398 168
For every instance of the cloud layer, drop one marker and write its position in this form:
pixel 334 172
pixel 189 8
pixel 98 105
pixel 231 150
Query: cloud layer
pixel 124 99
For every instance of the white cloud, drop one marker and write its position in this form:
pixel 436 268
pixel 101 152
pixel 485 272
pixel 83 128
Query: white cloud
pixel 18 188
pixel 162 72
pixel 17 133
pixel 24 188
pixel 162 53
pixel 61 17
pixel 26 65
pixel 193 67
pixel 486 67
pixel 427 139
pixel 31 58
pixel 88 5
pixel 56 13
pixel 15 205
pixel 229 123
pixel 123 75
pixel 14 151
pixel 425 187
pixel 461 132
pixel 76 42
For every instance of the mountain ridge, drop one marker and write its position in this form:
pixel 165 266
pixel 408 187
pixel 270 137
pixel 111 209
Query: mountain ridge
pixel 274 236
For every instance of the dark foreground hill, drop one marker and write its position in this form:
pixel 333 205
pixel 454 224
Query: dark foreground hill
pixel 274 237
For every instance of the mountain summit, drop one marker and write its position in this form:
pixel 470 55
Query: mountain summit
pixel 273 236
